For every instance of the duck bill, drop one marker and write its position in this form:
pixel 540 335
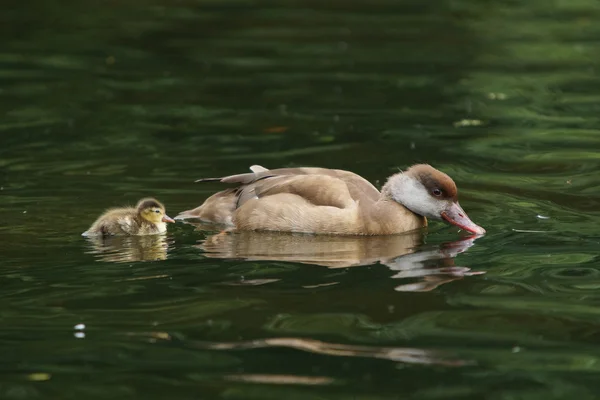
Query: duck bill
pixel 166 218
pixel 455 215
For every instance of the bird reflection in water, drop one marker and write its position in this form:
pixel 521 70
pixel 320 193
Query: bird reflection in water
pixel 407 254
pixel 123 249
pixel 407 355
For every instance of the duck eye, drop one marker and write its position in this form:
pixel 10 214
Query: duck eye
pixel 437 192
pixel 157 211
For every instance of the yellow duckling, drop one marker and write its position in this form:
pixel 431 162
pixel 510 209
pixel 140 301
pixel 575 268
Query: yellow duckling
pixel 147 218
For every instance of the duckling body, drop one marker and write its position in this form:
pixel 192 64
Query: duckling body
pixel 331 201
pixel 147 218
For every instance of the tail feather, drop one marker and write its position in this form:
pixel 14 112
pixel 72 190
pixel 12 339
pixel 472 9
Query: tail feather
pixel 249 177
pixel 217 208
pixel 220 206
pixel 208 180
pixel 257 168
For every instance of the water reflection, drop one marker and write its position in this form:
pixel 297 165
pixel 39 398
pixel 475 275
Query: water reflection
pixel 432 265
pixel 278 379
pixel 122 249
pixel 397 354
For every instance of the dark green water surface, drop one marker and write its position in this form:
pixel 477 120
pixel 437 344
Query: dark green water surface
pixel 104 102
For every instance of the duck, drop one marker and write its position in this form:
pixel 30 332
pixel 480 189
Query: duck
pixel 148 217
pixel 333 201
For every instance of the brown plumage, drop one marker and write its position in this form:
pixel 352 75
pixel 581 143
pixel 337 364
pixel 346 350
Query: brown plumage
pixel 147 218
pixel 433 179
pixel 329 201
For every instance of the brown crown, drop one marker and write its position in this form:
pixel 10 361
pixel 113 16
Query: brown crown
pixel 149 203
pixel 433 179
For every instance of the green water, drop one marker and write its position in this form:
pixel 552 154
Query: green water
pixel 102 103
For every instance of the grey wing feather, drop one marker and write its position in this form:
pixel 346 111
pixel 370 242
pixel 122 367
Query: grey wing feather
pixel 262 181
pixel 258 168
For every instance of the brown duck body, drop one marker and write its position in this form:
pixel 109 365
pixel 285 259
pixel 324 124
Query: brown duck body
pixel 310 200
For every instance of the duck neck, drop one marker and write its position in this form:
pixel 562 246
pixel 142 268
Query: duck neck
pixel 395 186
pixel 387 216
pixel 150 226
pixel 386 192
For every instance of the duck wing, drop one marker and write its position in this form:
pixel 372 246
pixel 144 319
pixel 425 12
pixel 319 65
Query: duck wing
pixel 320 186
pixel 291 188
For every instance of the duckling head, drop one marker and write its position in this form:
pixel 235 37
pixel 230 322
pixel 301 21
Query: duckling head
pixel 153 211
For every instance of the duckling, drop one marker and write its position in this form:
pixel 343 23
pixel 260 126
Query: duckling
pixel 147 218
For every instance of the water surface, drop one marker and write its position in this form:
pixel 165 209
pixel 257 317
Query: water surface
pixel 103 103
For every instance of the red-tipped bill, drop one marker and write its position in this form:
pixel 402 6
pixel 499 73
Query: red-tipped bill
pixel 457 216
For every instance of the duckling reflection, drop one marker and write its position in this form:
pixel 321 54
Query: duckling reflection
pixel 406 253
pixel 122 249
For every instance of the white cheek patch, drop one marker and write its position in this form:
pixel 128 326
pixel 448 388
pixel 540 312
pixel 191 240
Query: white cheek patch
pixel 413 195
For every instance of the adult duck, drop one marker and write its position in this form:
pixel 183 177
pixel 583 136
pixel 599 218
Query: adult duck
pixel 332 201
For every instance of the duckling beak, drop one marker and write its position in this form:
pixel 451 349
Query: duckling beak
pixel 457 216
pixel 166 218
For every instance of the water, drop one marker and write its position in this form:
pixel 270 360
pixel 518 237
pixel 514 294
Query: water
pixel 103 103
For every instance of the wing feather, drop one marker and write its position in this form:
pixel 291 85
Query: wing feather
pixel 318 186
pixel 319 190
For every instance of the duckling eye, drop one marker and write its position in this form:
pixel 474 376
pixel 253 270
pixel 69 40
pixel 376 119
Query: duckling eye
pixel 157 211
pixel 436 192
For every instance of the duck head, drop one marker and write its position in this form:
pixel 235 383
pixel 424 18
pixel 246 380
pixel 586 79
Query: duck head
pixel 431 193
pixel 153 211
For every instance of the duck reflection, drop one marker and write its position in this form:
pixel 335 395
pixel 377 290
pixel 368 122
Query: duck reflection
pixel 398 354
pixel 122 249
pixel 433 265
pixel 406 355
